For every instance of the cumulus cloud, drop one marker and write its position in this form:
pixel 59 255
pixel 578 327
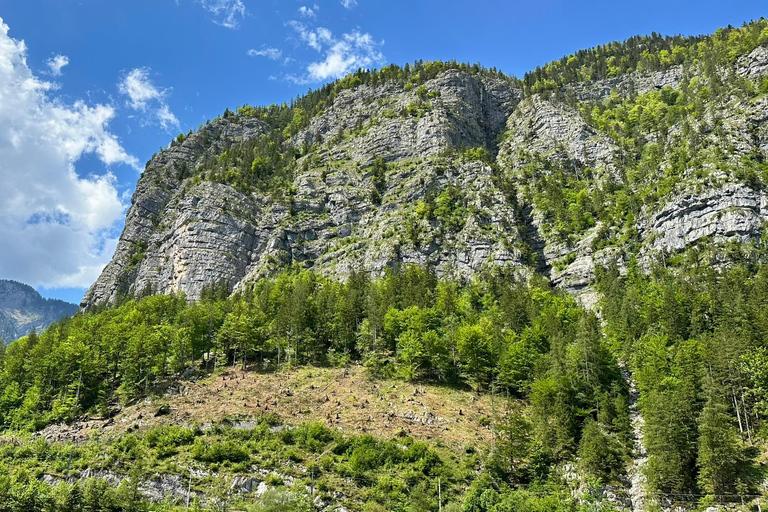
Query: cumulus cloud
pixel 227 13
pixel 352 51
pixel 57 227
pixel 355 50
pixel 139 88
pixel 166 118
pixel 144 97
pixel 270 53
pixel 57 63
pixel 307 12
pixel 348 4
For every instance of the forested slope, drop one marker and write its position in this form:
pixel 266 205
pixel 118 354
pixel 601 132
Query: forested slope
pixel 542 244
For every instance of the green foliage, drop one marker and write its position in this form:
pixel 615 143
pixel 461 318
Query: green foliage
pixel 646 53
pixel 720 457
pixel 600 453
pixel 264 164
pixel 281 500
pixel 359 466
pixel 137 255
pixel 687 333
pixel 485 495
pixel 219 452
pixel 378 179
pixel 495 334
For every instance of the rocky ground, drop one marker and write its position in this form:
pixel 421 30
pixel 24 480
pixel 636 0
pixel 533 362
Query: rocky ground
pixel 346 399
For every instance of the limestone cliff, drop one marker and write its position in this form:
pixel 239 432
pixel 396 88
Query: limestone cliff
pixel 455 172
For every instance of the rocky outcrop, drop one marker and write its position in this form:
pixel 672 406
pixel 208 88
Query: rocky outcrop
pixel 195 485
pixel 208 236
pixel 149 212
pixel 23 310
pixel 634 83
pixel 734 212
pixel 457 111
pixel 182 233
pixel 557 132
pixel 754 65
pixel 467 157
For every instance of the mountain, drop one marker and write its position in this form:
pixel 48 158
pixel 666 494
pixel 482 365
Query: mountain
pixel 23 310
pixel 344 192
pixel 462 169
pixel 429 285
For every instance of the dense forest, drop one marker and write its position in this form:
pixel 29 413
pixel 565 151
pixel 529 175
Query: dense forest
pixel 693 340
pixel 648 53
pixel 497 335
pixel 696 343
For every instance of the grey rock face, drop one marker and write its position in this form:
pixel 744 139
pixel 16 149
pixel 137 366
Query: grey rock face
pixel 208 237
pixel 558 132
pixel 183 232
pixel 637 83
pixel 465 111
pixel 181 236
pixel 23 310
pixel 755 64
pixel 734 212
pixel 149 212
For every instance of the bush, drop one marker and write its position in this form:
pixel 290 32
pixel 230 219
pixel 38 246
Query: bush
pixel 219 452
pixel 281 500
pixel 169 436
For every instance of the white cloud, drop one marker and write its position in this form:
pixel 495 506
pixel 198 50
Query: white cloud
pixel 166 118
pixel 57 227
pixel 139 88
pixel 227 13
pixel 353 51
pixel 144 97
pixel 270 53
pixel 348 4
pixel 316 38
pixel 307 12
pixel 57 63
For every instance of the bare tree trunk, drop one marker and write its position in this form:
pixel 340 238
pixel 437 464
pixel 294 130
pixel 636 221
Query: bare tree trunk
pixel 738 413
pixel 746 417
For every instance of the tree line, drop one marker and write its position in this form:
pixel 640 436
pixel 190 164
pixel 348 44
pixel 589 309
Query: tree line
pixel 496 334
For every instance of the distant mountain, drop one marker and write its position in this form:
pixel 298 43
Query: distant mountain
pixel 22 309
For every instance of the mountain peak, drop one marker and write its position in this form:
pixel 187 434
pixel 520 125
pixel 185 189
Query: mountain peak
pixel 23 309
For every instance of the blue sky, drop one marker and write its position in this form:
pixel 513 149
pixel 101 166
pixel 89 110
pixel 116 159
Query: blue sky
pixel 97 86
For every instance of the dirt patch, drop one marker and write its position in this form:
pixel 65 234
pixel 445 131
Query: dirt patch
pixel 346 399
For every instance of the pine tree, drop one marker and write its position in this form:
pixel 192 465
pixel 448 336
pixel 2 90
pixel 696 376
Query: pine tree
pixel 720 453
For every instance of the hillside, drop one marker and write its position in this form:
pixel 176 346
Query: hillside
pixel 23 310
pixel 546 294
pixel 239 405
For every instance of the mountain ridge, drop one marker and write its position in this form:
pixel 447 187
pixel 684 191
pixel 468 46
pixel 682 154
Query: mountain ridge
pixel 351 176
pixel 23 309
